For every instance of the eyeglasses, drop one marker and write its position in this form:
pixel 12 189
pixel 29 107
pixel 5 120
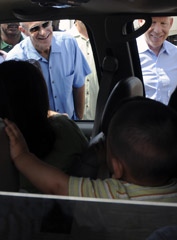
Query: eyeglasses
pixel 37 28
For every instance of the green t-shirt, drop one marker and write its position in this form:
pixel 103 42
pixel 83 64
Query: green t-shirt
pixel 7 47
pixel 68 147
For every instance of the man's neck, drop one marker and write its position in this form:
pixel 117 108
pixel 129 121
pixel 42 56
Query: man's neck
pixel 11 40
pixel 45 54
pixel 156 50
pixel 83 32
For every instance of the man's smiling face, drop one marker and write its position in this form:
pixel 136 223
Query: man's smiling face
pixel 158 32
pixel 41 34
pixel 10 29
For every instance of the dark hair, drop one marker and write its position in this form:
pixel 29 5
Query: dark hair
pixel 143 134
pixel 173 100
pixel 24 100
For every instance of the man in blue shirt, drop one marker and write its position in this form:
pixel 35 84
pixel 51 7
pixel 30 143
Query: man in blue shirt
pixel 158 59
pixel 63 65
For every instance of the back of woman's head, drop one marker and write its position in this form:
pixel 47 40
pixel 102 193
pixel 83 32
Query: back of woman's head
pixel 23 91
pixel 173 100
pixel 24 99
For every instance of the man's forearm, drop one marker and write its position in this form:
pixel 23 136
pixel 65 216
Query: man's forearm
pixel 79 101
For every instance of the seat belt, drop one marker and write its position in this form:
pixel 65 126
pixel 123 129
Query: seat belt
pixel 109 66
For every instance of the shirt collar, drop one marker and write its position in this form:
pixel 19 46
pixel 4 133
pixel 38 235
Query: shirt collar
pixel 143 47
pixel 4 44
pixel 31 51
pixel 165 47
pixel 54 44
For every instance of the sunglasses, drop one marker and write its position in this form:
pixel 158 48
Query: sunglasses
pixel 37 28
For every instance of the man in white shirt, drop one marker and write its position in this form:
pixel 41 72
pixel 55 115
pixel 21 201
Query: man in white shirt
pixel 79 31
pixel 158 59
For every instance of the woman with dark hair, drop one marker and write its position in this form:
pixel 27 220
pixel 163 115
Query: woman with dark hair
pixel 173 100
pixel 24 100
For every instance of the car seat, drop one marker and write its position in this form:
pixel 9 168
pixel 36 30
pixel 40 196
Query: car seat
pixel 90 166
pixel 125 88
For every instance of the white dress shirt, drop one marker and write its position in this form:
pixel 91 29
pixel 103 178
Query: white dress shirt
pixel 91 80
pixel 159 72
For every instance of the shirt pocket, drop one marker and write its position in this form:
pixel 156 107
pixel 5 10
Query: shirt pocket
pixel 68 82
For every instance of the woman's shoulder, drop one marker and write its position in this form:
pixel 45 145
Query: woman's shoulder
pixel 64 126
pixel 60 120
pixel 70 142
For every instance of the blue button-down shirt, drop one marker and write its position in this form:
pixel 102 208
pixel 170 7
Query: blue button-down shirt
pixel 65 69
pixel 159 72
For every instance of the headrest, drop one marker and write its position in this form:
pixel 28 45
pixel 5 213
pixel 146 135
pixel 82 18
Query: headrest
pixel 125 88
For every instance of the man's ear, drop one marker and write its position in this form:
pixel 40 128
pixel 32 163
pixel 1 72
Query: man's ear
pixel 118 168
pixel 171 22
pixel 141 22
pixel 22 29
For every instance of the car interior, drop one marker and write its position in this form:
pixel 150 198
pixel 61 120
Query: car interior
pixel 110 25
